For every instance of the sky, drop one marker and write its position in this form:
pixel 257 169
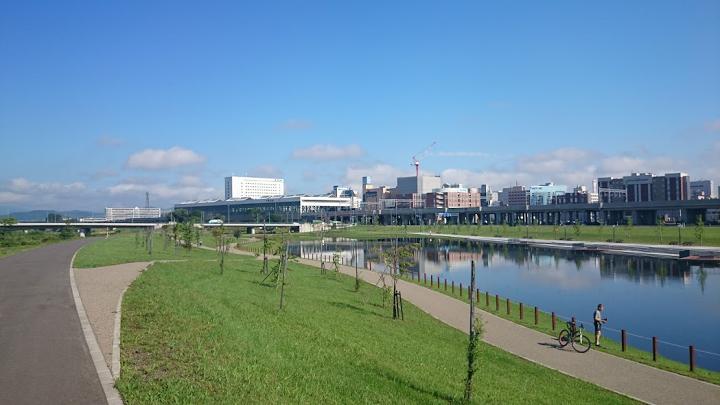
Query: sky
pixel 103 101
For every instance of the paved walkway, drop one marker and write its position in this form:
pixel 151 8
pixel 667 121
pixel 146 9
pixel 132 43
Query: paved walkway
pixel 43 355
pixel 101 288
pixel 633 379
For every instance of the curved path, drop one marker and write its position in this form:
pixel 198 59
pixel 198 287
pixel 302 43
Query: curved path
pixel 43 355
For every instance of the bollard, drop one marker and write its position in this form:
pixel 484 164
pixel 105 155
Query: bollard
pixel 431 280
pixel 438 282
pixel 445 284
pixel 654 345
pixel 487 298
pixel 461 289
pixel 536 315
pixel 623 339
pixel 425 279
pixel 553 321
pixel 521 311
pixel 507 305
pixel 477 295
pixel 370 263
pixel 453 287
pixel 692 357
pixel 497 302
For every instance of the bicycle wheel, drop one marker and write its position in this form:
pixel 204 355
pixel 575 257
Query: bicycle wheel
pixel 581 343
pixel 564 337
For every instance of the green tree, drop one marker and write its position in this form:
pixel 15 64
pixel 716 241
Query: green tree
pixel 628 228
pixel 398 260
pixel 699 229
pixel 576 228
pixel 8 221
pixel 222 245
pixel 659 224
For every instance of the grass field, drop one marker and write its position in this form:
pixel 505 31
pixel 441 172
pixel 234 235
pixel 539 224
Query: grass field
pixel 487 302
pixel 12 242
pixel 637 234
pixel 127 247
pixel 192 335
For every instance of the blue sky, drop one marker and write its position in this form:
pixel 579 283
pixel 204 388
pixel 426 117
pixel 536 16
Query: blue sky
pixel 101 101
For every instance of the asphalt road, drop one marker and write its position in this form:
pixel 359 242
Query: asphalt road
pixel 43 355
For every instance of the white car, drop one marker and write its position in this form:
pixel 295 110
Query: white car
pixel 215 222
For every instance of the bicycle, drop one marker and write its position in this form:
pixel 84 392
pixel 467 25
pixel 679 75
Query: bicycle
pixel 575 336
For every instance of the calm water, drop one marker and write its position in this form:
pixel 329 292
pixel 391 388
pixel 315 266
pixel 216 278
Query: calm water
pixel 677 302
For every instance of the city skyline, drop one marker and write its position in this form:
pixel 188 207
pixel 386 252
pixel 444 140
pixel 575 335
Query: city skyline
pixel 93 114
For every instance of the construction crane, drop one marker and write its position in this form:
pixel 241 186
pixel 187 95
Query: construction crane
pixel 420 155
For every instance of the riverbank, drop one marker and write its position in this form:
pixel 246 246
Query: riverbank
pixel 691 253
pixel 687 237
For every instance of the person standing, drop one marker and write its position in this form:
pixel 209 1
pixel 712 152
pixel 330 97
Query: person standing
pixel 598 321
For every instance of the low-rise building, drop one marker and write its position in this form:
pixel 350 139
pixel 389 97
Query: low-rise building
pixel 130 214
pixel 452 196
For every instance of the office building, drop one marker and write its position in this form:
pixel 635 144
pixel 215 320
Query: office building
pixel 515 196
pixel 611 190
pixel 579 195
pixel 253 187
pixel 544 193
pixel 702 189
pixel 638 187
pixel 452 196
pixel 677 187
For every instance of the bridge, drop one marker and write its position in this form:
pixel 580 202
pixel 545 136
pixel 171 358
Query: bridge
pixel 251 227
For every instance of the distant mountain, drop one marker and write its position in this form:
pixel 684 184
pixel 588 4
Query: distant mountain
pixel 41 215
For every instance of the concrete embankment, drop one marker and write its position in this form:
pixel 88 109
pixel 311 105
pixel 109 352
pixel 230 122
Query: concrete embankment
pixel 692 253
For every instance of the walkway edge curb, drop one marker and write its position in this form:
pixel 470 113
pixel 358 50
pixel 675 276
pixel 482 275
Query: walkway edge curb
pixel 115 362
pixel 106 379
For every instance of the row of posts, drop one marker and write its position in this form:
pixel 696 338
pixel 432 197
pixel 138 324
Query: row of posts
pixel 435 281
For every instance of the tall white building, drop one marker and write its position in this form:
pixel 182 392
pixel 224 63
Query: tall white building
pixel 253 187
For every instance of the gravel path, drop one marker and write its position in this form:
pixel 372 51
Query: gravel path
pixel 100 290
pixel 645 383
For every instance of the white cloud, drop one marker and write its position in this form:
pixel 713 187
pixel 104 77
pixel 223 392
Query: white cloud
pixel 381 174
pixel 328 152
pixel 34 194
pixel 158 159
pixel 8 197
pixel 165 193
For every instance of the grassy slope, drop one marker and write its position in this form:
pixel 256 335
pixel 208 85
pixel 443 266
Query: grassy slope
pixel 192 335
pixel 123 248
pixel 19 242
pixel 638 234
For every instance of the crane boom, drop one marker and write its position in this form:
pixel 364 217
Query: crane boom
pixel 416 158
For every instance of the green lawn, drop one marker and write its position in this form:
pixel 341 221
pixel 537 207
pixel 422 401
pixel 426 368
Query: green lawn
pixel 192 335
pixel 129 246
pixel 635 234
pixel 487 302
